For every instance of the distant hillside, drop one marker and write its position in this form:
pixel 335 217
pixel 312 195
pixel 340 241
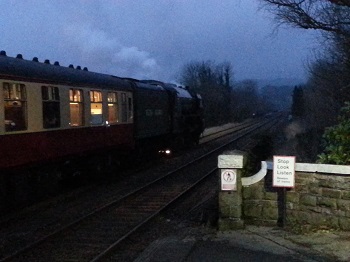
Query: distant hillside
pixel 279 82
pixel 278 92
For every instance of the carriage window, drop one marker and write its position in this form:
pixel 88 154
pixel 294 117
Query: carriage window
pixel 51 106
pixel 15 102
pixel 113 108
pixel 96 108
pixel 76 107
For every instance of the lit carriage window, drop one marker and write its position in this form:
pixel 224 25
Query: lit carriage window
pixel 96 108
pixel 113 108
pixel 76 107
pixel 15 103
pixel 51 106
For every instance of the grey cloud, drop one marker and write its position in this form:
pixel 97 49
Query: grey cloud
pixel 155 38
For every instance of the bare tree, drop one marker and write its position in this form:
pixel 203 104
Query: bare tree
pixel 328 85
pixel 246 99
pixel 213 82
pixel 326 15
pixel 330 73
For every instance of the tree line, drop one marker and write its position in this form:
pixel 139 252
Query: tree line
pixel 224 99
pixel 322 105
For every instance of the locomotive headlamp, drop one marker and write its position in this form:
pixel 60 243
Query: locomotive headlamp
pixel 166 152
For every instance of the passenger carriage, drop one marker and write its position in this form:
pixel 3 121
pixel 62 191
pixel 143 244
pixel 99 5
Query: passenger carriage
pixel 49 111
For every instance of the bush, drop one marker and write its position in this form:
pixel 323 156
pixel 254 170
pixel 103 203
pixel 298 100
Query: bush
pixel 337 141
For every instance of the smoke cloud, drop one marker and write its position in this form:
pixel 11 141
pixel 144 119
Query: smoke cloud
pixel 108 55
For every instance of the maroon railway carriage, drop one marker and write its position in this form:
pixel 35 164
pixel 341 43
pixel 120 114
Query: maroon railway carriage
pixel 48 112
pixel 63 125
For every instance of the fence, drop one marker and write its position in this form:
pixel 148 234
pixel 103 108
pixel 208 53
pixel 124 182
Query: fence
pixel 319 199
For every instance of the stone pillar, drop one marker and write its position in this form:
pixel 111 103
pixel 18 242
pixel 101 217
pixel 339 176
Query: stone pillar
pixel 230 166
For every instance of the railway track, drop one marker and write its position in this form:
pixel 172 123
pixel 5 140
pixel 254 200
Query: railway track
pixel 94 235
pixel 217 133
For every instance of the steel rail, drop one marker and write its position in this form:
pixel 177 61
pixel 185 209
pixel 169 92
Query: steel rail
pixel 111 248
pixel 232 128
pixel 136 191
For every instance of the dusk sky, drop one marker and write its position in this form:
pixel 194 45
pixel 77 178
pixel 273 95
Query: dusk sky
pixel 155 38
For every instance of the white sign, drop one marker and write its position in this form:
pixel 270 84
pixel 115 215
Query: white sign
pixel 228 179
pixel 283 171
pixel 230 161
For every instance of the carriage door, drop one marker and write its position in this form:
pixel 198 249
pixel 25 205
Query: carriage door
pixel 124 108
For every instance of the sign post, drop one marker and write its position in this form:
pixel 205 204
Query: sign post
pixel 284 177
pixel 283 171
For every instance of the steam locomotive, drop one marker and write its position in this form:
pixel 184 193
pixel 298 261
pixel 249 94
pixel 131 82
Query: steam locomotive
pixel 50 112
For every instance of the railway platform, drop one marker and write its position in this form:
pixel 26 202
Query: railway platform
pixel 250 244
